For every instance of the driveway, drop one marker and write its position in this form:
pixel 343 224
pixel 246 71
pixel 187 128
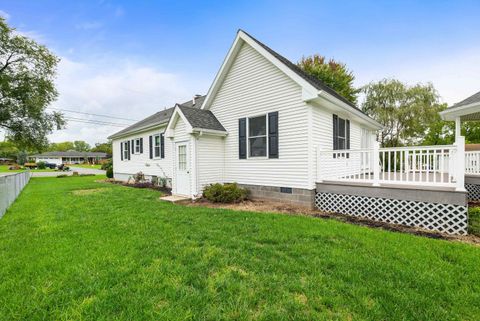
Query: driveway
pixel 80 170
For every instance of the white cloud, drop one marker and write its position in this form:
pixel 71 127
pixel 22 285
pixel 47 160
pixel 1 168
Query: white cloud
pixel 5 15
pixel 89 25
pixel 454 74
pixel 116 88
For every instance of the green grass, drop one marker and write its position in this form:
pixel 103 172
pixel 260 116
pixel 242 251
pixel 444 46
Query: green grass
pixel 4 168
pixel 96 166
pixel 120 253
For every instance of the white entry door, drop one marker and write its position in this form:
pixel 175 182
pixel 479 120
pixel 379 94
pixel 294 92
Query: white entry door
pixel 182 169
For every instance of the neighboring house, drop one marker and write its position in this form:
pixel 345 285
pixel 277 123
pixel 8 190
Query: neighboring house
pixel 259 125
pixel 69 157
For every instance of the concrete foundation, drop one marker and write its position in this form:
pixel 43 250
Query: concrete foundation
pixel 300 197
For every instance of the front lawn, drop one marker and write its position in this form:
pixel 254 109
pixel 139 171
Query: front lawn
pixel 75 249
pixel 94 166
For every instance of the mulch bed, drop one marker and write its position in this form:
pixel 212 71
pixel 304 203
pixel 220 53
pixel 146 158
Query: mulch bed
pixel 165 190
pixel 289 209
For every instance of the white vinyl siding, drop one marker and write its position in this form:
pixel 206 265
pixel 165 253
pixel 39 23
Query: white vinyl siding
pixel 252 87
pixel 141 162
pixel 210 156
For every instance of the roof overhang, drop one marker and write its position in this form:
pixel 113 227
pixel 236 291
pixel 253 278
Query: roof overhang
pixel 470 112
pixel 178 114
pixel 137 131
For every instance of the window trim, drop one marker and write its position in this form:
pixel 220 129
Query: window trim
pixel 137 145
pixel 125 151
pixel 265 136
pixel 159 146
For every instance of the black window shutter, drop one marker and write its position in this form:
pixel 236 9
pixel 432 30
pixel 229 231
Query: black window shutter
pixel 121 151
pixel 273 135
pixel 132 146
pixel 150 146
pixel 242 138
pixel 128 149
pixel 162 146
pixel 347 134
pixel 141 145
pixel 335 132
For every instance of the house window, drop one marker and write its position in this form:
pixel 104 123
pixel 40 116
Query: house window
pixel 341 133
pixel 257 136
pixel 137 146
pixel 182 157
pixel 125 150
pixel 156 146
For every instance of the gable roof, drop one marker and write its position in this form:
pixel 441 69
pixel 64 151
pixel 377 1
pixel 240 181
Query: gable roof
pixel 201 118
pixel 315 82
pixel 312 88
pixel 157 119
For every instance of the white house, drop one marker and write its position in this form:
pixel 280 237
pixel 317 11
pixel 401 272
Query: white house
pixel 284 135
pixel 259 125
pixel 69 157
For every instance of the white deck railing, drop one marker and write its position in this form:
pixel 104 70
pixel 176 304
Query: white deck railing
pixel 422 166
pixel 472 163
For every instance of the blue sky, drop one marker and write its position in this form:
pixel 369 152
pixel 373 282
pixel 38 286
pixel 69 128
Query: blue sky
pixel 132 58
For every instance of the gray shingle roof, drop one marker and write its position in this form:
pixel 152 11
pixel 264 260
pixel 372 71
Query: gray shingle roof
pixel 201 118
pixel 159 118
pixel 315 82
pixel 470 100
pixel 71 154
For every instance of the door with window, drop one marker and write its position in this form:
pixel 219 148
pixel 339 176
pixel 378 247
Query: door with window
pixel 182 169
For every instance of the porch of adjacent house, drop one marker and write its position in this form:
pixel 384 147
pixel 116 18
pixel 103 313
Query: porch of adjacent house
pixel 423 186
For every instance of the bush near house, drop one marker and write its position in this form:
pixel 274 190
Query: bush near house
pixel 225 193
pixel 41 165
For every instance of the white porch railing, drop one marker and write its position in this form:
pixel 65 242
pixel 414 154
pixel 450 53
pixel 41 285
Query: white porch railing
pixel 472 163
pixel 422 166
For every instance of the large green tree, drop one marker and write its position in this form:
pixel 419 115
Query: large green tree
pixel 333 73
pixel 103 148
pixel 27 71
pixel 406 112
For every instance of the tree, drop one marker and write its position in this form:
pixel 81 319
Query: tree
pixel 8 149
pixel 81 146
pixel 61 147
pixel 406 112
pixel 103 148
pixel 27 71
pixel 334 74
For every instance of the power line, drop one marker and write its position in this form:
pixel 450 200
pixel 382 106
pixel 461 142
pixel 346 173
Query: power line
pixel 91 114
pixel 95 122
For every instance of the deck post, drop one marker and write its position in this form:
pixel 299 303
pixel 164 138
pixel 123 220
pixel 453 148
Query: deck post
pixel 376 164
pixel 460 163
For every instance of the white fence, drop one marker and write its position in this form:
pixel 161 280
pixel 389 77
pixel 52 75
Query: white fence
pixel 10 187
pixel 423 166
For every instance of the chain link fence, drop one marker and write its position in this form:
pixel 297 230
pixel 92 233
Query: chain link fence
pixel 10 187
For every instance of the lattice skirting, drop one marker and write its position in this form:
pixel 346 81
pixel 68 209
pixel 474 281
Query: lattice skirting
pixel 446 218
pixel 473 192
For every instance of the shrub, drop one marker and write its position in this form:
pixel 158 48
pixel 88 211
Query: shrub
pixel 139 178
pixel 106 165
pixel 225 193
pixel 109 172
pixel 41 165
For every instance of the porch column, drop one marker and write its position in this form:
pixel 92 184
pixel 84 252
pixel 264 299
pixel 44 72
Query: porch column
pixel 460 163
pixel 457 128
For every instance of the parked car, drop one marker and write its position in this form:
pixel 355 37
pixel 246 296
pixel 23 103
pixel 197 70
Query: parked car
pixel 51 165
